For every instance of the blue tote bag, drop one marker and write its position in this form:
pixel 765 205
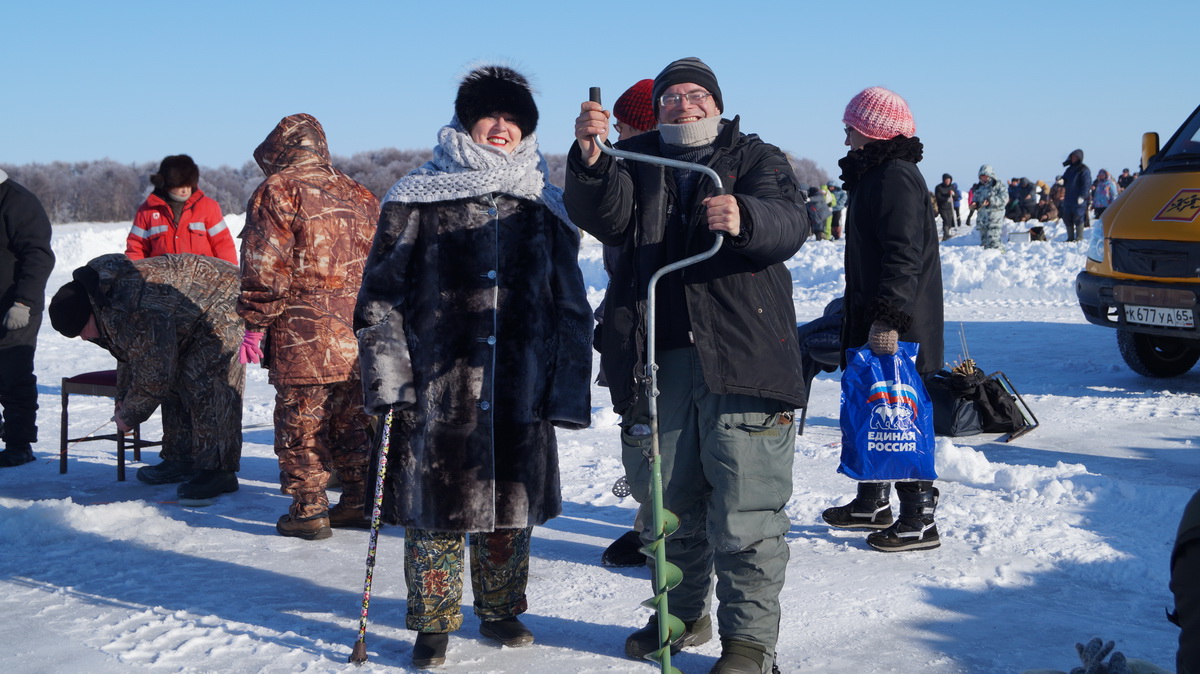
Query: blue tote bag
pixel 886 417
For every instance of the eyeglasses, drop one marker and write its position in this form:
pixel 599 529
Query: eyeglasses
pixel 848 129
pixel 693 97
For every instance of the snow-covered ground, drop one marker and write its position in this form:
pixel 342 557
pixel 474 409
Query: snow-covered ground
pixel 1059 536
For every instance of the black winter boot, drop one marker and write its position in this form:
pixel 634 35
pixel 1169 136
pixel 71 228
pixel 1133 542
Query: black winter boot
pixel 166 472
pixel 625 551
pixel 870 509
pixel 16 454
pixel 645 640
pixel 208 484
pixel 430 650
pixel 509 632
pixel 915 529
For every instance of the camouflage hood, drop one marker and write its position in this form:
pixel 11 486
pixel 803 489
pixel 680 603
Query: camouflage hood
pixel 99 276
pixel 987 170
pixel 298 140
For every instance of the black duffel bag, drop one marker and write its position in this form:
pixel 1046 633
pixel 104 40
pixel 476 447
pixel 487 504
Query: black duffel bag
pixel 954 414
pixel 968 404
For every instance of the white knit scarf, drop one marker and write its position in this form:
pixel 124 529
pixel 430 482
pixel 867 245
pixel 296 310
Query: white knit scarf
pixel 462 168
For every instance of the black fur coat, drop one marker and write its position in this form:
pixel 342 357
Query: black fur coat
pixel 893 263
pixel 473 324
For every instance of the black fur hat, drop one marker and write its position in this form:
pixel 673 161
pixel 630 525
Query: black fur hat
pixel 493 88
pixel 177 170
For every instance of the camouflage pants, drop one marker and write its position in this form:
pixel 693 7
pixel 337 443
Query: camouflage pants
pixel 319 427
pixel 202 418
pixel 990 225
pixel 433 570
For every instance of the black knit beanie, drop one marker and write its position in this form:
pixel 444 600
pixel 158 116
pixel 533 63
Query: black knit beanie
pixel 495 88
pixel 70 309
pixel 690 69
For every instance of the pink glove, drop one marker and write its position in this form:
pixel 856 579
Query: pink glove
pixel 250 351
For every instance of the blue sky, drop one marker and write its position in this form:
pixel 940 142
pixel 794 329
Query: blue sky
pixel 1015 84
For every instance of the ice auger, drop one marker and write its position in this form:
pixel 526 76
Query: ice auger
pixel 666 574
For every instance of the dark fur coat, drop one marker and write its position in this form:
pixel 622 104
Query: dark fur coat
pixel 473 323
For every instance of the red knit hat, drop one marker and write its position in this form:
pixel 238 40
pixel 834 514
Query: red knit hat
pixel 635 106
pixel 880 114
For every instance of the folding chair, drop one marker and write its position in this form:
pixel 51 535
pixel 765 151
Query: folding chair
pixel 101 383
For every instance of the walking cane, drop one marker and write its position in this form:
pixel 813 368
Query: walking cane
pixel 666 574
pixel 359 654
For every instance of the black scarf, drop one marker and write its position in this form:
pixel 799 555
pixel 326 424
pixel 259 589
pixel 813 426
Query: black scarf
pixel 858 162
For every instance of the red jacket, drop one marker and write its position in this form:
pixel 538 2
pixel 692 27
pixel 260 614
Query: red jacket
pixel 203 231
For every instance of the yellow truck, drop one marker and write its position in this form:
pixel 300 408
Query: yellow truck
pixel 1142 275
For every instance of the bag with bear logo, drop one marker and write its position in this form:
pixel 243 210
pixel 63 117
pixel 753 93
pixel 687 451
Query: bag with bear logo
pixel 886 417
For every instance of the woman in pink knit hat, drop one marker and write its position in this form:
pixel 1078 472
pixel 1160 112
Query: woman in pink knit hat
pixel 893 289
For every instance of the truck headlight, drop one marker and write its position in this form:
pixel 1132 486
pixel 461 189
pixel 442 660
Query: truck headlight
pixel 1095 241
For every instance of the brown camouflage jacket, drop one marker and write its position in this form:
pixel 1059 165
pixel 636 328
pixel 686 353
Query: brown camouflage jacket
pixel 308 231
pixel 168 320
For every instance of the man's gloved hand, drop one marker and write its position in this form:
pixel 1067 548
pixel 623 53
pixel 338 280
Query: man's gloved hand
pixel 17 317
pixel 250 351
pixel 883 339
pixel 1092 656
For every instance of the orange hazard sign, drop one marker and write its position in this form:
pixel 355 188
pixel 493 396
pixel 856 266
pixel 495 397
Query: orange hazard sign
pixel 1183 207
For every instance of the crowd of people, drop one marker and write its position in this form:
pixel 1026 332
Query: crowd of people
pixel 1073 199
pixel 1029 205
pixel 454 312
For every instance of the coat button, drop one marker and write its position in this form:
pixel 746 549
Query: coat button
pixel 491 274
pixel 491 340
pixel 485 405
pixel 492 211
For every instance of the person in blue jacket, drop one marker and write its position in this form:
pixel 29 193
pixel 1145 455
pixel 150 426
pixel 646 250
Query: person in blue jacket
pixel 1078 181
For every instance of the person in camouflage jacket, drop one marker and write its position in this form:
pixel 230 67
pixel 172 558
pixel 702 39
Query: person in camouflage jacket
pixel 990 199
pixel 308 231
pixel 170 323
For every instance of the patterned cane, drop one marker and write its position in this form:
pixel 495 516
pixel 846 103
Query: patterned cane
pixel 359 654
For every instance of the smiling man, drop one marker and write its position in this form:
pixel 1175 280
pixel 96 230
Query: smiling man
pixel 729 366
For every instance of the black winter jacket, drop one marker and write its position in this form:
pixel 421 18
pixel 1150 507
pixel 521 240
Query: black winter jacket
pixel 742 318
pixel 26 259
pixel 893 265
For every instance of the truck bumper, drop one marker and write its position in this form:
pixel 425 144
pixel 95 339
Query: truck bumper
pixel 1099 300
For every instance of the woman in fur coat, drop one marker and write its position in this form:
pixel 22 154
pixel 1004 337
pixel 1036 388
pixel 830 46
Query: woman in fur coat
pixel 474 327
pixel 893 290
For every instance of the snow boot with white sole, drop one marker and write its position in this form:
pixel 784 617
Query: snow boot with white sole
pixel 870 509
pixel 914 530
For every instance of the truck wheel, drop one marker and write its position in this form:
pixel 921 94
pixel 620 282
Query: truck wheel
pixel 1157 356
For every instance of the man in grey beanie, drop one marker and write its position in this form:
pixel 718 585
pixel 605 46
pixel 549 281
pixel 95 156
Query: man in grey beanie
pixel 729 366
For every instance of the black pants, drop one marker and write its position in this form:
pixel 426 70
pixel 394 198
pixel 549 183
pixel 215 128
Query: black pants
pixel 946 212
pixel 18 394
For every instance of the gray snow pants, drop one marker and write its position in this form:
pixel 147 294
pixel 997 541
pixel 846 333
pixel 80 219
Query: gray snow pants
pixel 727 474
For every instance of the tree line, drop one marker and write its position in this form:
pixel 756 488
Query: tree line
pixel 108 191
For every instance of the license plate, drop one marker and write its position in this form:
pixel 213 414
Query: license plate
pixel 1174 318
